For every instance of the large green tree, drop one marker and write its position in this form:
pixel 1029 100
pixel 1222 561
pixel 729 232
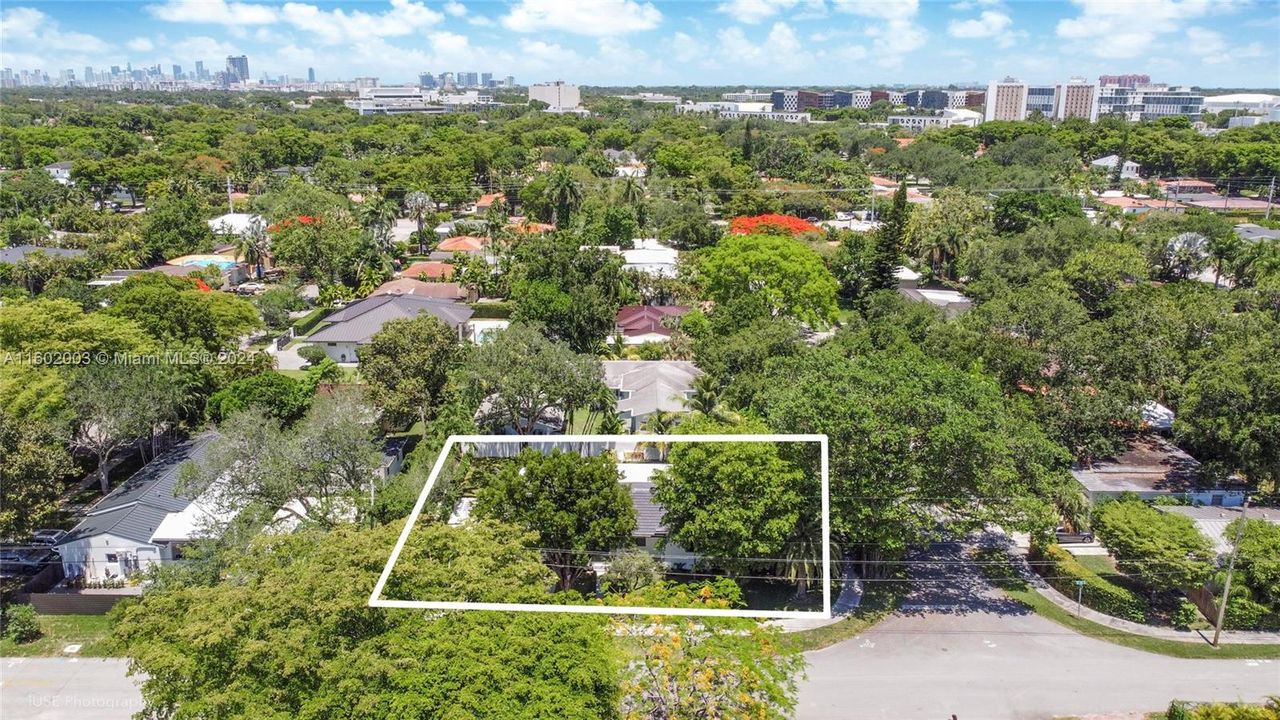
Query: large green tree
pixel 407 363
pixel 1164 551
pixel 293 635
pixel 773 275
pixel 33 462
pixel 575 505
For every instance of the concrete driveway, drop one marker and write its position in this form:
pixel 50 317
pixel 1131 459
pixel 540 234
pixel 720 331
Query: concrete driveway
pixel 60 688
pixel 961 648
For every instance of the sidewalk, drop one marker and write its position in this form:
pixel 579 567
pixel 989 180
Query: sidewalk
pixel 849 600
pixel 1233 637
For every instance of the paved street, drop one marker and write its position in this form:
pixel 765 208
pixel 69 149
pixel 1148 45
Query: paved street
pixel 60 688
pixel 982 657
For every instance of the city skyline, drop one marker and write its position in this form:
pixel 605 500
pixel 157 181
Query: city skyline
pixel 625 42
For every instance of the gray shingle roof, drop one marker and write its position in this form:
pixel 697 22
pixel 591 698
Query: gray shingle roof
pixel 362 320
pixel 650 385
pixel 16 253
pixel 648 513
pixel 134 510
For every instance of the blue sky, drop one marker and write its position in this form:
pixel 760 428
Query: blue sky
pixel 1232 43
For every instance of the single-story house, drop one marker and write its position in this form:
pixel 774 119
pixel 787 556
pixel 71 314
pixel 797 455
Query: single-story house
pixel 952 302
pixel 468 244
pixel 430 269
pixel 410 286
pixel 1152 467
pixel 344 331
pixel 487 200
pixel 1130 171
pixel 18 253
pixel 647 256
pixel 1213 201
pixel 1177 186
pixel 644 387
pixel 639 324
pixel 60 172
pixel 1254 232
pixel 1137 206
pixel 1212 521
pixel 481 330
pixel 233 271
pixel 140 523
pixel 235 223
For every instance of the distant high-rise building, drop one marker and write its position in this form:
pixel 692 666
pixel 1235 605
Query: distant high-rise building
pixel 238 68
pixel 1042 99
pixel 88 74
pixel 558 95
pixel 486 79
pixel 1078 98
pixel 311 75
pixel 177 72
pixel 510 81
pixel 1006 100
pixel 115 69
pixel 1129 81
pixel 426 80
pixel 200 74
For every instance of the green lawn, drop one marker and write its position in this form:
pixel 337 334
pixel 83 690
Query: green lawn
pixel 1004 577
pixel 92 632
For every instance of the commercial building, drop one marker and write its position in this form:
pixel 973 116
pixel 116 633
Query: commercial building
pixel 237 68
pixel 748 95
pixel 949 117
pixel 860 99
pixel 1260 103
pixel 1077 99
pixel 1042 99
pixel 559 96
pixel 1006 100
pixel 1129 81
pixel 395 101
pixel 1149 102
pixel 786 100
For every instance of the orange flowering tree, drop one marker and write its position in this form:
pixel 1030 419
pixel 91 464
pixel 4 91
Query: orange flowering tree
pixel 771 224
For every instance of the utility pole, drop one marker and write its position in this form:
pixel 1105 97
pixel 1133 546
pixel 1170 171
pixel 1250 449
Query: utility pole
pixel 1271 194
pixel 1231 567
pixel 231 207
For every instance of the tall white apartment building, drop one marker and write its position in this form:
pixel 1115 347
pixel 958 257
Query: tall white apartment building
pixel 1149 102
pixel 559 95
pixel 1006 100
pixel 1077 98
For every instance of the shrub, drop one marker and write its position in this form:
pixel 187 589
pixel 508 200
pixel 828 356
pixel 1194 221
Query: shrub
pixel 771 224
pixel 313 354
pixel 1186 615
pixel 1245 614
pixel 491 310
pixel 308 322
pixel 1063 570
pixel 21 624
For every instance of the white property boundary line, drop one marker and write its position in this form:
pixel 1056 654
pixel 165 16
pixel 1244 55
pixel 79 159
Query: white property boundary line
pixel 376 599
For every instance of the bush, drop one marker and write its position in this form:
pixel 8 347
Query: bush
pixel 313 354
pixel 1245 614
pixel 21 624
pixel 308 322
pixel 1186 615
pixel 1063 570
pixel 491 310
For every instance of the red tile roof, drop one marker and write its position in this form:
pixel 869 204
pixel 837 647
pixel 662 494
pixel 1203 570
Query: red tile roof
pixel 647 319
pixel 463 243
pixel 486 200
pixel 433 269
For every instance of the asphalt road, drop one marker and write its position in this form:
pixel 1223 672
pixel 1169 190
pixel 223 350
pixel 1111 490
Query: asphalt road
pixel 979 656
pixel 60 688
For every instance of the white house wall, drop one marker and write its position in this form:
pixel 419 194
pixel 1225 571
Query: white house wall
pixel 88 556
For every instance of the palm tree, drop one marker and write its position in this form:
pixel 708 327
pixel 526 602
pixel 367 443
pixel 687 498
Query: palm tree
pixel 378 215
pixel 705 396
pixel 254 245
pixel 660 422
pixel 1223 250
pixel 418 204
pixel 565 193
pixel 631 192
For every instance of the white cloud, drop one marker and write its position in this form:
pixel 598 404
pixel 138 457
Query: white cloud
pixel 140 44
pixel 989 24
pixel 455 9
pixel 896 34
pixel 1118 30
pixel 754 11
pixel 214 12
pixel 480 21
pixel 1213 49
pixel 583 17
pixel 334 26
pixel 32 39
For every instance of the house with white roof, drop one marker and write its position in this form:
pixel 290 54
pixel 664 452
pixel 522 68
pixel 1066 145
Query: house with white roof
pixel 232 224
pixel 1130 171
pixel 644 387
